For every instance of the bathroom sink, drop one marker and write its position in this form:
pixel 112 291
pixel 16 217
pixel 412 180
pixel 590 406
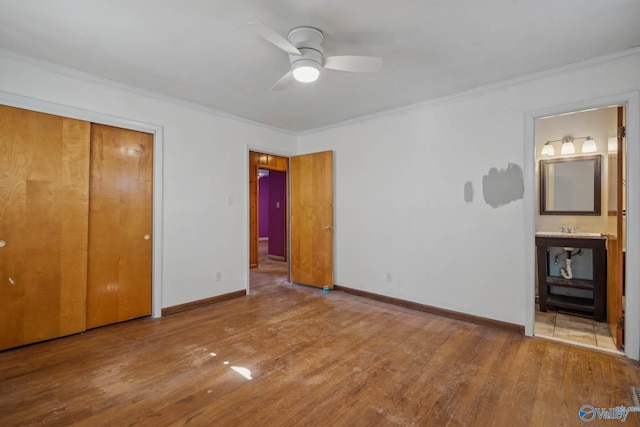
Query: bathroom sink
pixel 576 235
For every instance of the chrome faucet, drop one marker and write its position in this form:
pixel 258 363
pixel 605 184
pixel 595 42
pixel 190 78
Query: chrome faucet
pixel 569 229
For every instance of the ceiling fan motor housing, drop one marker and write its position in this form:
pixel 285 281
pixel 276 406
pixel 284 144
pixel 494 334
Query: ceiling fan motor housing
pixel 309 41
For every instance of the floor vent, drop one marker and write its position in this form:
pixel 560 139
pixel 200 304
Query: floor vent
pixel 635 395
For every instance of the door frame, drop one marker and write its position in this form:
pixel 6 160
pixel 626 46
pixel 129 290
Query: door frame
pixel 632 269
pixel 41 106
pixel 247 198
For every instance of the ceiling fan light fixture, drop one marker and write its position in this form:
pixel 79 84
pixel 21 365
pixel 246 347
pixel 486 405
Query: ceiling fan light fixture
pixel 306 55
pixel 306 71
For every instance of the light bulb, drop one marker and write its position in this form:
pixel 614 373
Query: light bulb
pixel 589 146
pixel 306 74
pixel 306 71
pixel 567 148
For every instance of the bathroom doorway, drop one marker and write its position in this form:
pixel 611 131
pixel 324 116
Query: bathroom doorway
pixel 572 281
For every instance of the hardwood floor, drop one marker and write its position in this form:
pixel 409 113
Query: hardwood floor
pixel 314 359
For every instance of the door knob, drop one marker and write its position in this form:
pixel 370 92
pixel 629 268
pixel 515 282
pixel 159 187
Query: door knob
pixel 328 227
pixel 147 237
pixel 3 243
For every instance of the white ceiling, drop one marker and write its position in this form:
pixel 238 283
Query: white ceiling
pixel 198 51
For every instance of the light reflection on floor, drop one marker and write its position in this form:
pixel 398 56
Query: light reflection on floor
pixel 242 371
pixel 246 373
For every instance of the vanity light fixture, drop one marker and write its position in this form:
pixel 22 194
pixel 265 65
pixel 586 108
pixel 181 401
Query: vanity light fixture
pixel 589 145
pixel 547 149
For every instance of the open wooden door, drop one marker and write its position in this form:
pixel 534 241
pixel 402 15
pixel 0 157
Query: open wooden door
pixel 44 195
pixel 615 283
pixel 311 216
pixel 120 225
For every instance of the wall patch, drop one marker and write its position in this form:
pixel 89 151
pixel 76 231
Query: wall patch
pixel 501 187
pixel 468 192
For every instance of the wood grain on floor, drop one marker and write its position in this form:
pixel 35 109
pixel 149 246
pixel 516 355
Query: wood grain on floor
pixel 313 359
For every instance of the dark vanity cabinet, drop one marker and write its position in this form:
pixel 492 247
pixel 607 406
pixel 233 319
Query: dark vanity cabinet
pixel 598 285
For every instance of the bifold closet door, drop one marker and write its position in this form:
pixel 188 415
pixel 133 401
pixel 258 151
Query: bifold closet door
pixel 44 185
pixel 120 225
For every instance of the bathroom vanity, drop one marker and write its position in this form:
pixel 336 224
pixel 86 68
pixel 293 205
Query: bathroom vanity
pixel 592 292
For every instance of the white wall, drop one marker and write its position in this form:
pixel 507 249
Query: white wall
pixel 205 161
pixel 400 205
pixel 399 187
pixel 400 208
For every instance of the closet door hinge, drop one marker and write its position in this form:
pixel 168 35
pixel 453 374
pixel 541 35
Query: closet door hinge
pixel 622 132
pixel 621 322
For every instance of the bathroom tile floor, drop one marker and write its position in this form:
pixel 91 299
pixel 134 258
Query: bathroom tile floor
pixel 574 330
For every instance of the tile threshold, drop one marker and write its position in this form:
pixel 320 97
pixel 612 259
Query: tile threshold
pixel 589 346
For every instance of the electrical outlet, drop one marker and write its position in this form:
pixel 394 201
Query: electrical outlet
pixel 389 279
pixel 218 276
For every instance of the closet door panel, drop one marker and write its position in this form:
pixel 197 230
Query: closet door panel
pixel 119 282
pixel 44 171
pixel 74 239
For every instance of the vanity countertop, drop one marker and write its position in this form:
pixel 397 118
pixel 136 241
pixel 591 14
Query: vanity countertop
pixel 576 235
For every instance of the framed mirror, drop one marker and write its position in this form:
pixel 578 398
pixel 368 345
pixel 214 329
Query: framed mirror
pixel 570 186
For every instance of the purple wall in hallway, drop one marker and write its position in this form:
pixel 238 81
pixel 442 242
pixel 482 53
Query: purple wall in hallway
pixel 277 212
pixel 263 206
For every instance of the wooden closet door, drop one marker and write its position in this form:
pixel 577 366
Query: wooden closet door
pixel 44 184
pixel 120 225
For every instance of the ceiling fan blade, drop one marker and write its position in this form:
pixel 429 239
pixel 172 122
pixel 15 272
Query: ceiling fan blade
pixel 271 36
pixel 284 81
pixel 359 64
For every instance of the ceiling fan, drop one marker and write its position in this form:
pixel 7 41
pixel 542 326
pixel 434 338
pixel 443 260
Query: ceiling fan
pixel 306 55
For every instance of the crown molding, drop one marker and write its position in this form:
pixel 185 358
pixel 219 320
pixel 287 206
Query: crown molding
pixel 635 51
pixel 92 78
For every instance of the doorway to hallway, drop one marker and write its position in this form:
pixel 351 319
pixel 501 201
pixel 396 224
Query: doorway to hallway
pixel 268 212
pixel 308 210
